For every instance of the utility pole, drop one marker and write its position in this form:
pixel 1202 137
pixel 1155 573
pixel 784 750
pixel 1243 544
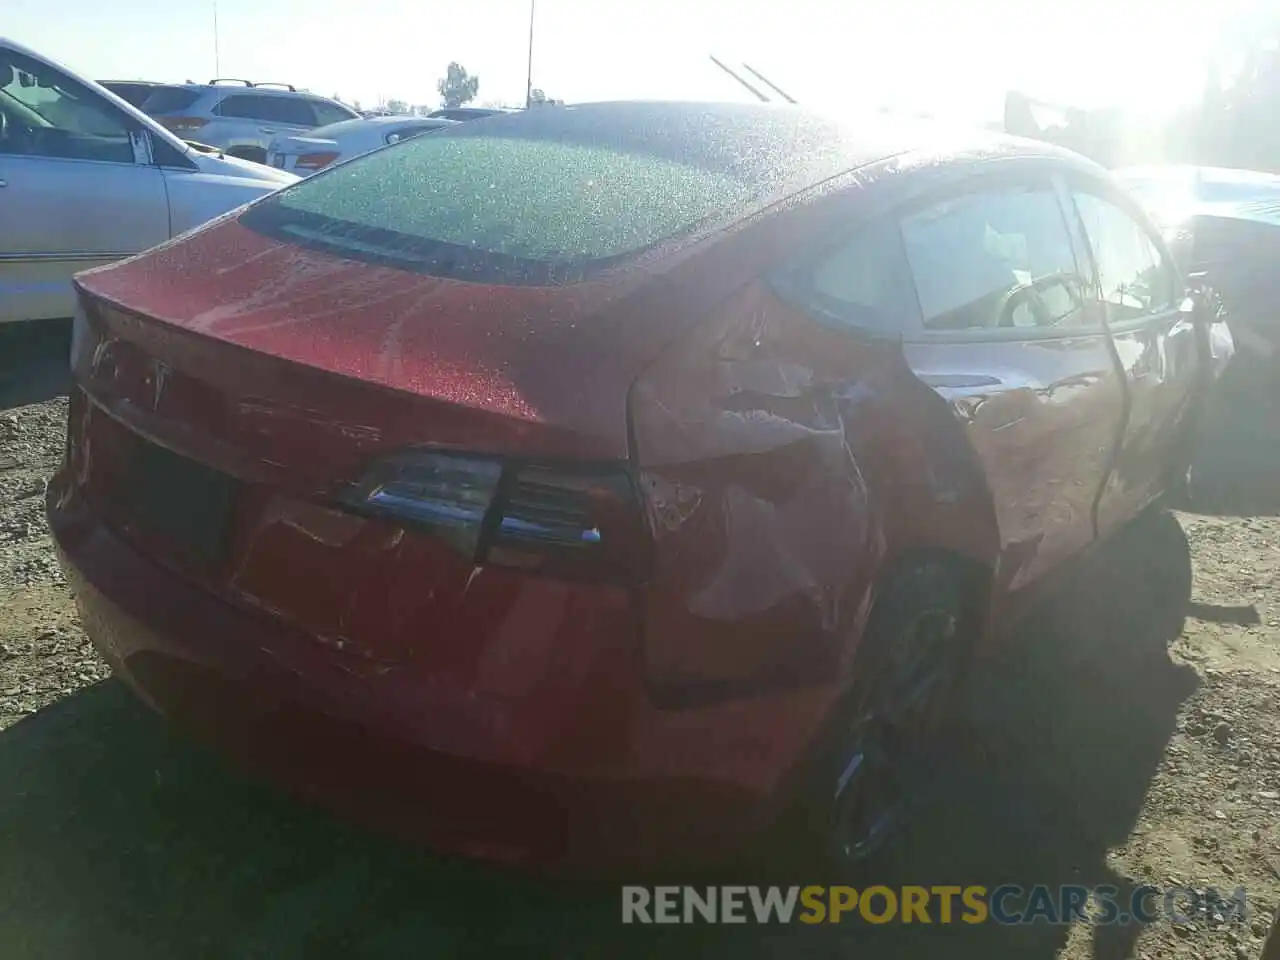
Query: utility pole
pixel 528 77
pixel 217 60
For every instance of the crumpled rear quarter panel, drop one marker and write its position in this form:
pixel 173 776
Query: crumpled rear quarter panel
pixel 785 463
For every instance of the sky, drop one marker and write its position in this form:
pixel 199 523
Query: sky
pixel 949 58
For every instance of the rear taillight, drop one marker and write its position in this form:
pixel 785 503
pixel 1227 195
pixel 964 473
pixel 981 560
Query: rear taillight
pixel 314 161
pixel 183 125
pixel 582 523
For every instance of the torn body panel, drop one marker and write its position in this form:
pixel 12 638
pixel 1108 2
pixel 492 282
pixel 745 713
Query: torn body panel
pixel 1043 417
pixel 785 464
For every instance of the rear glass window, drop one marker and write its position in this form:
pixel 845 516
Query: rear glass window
pixel 133 93
pixel 499 209
pixel 169 99
pixel 328 112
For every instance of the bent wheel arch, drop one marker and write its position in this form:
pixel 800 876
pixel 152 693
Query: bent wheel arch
pixel 809 828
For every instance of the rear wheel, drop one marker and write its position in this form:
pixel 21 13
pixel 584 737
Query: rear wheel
pixel 881 753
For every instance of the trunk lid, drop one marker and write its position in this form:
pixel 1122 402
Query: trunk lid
pixel 296 145
pixel 294 358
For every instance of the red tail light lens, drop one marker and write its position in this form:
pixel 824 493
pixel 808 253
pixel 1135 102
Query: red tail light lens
pixel 183 125
pixel 584 524
pixel 314 161
pixel 581 523
pixel 448 496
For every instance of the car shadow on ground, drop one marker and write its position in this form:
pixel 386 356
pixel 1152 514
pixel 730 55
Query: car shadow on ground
pixel 120 839
pixel 33 362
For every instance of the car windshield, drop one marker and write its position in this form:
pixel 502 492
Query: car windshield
pixel 48 111
pixel 499 208
pixel 19 94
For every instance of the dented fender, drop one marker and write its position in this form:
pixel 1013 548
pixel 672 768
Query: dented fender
pixel 786 466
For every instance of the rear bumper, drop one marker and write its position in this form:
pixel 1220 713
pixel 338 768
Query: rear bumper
pixel 269 699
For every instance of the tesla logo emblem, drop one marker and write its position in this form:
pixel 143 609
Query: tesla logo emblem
pixel 159 378
pixel 103 364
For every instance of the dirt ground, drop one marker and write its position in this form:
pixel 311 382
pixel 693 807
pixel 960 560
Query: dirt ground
pixel 1128 734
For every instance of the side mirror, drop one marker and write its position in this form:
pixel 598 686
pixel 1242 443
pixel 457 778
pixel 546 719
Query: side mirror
pixel 1207 306
pixel 1209 314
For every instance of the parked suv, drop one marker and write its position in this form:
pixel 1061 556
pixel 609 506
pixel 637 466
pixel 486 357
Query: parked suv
pixel 241 117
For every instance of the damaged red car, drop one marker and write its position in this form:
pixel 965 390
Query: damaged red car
pixel 617 480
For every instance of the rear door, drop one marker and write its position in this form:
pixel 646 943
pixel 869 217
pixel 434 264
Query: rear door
pixel 248 120
pixel 1157 345
pixel 1008 338
pixel 77 188
pixel 234 122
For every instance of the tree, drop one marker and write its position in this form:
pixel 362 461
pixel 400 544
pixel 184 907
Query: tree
pixel 398 107
pixel 457 87
pixel 1235 123
pixel 1244 124
pixel 539 99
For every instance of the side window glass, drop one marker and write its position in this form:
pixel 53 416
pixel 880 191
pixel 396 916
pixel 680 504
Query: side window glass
pixel 47 114
pixel 862 282
pixel 268 108
pixel 291 110
pixel 1133 274
pixel 997 259
pixel 241 106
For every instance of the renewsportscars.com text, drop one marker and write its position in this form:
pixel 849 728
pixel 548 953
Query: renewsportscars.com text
pixel 943 904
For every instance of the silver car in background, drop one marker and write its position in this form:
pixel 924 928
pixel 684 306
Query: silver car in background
pixel 319 148
pixel 86 179
pixel 240 117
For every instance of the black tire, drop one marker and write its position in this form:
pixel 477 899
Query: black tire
pixel 921 626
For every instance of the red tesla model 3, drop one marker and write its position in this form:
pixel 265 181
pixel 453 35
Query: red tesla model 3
pixel 610 480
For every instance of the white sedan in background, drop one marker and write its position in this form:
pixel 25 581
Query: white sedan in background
pixel 341 141
pixel 86 179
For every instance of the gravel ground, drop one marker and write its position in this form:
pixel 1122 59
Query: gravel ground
pixel 1127 735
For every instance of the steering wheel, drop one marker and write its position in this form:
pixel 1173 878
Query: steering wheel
pixel 1030 293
